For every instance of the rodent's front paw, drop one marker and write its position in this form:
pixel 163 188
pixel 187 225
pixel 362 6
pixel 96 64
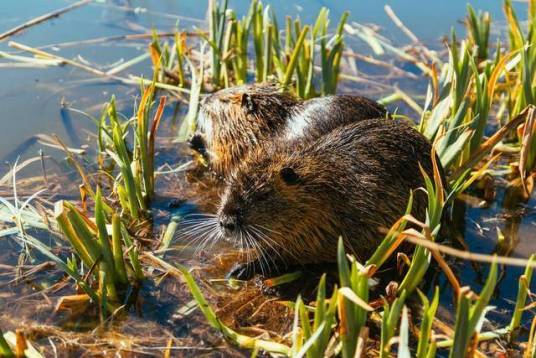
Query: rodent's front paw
pixel 243 271
pixel 198 143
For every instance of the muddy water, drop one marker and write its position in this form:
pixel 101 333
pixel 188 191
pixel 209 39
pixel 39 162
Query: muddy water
pixel 31 103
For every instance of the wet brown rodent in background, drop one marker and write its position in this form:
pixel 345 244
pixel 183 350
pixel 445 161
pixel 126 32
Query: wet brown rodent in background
pixel 236 120
pixel 291 200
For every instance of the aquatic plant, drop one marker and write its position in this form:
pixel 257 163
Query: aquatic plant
pixel 134 185
pixel 255 44
pixel 5 350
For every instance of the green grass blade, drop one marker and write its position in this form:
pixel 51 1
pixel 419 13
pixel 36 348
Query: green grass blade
pixel 5 350
pixel 117 250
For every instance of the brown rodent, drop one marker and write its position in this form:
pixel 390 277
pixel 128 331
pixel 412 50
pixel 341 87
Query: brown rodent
pixel 236 120
pixel 290 201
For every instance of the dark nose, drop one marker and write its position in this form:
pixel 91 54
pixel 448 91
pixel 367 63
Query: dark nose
pixel 229 223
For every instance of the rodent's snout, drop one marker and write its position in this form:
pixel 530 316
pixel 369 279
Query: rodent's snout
pixel 229 224
pixel 230 216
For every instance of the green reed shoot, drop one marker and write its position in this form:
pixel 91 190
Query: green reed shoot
pixel 97 247
pixel 522 293
pixel 238 41
pixel 258 27
pixel 426 347
pixel 189 123
pixel 331 53
pixel 470 316
pixel 390 317
pixel 217 20
pixel 478 27
pixel 5 349
pixel 530 352
pixel 312 340
pixel 352 314
pixel 324 315
pixel 421 256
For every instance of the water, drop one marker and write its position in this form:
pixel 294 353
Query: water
pixel 30 99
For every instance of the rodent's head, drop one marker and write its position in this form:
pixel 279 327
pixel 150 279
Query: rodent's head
pixel 243 106
pixel 277 202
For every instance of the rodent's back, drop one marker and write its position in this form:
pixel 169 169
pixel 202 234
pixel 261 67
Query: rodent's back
pixel 238 120
pixel 319 116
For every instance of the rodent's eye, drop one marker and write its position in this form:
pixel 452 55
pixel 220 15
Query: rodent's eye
pixel 289 176
pixel 263 195
pixel 248 103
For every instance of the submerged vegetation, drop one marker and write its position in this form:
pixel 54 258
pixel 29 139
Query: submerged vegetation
pixel 479 106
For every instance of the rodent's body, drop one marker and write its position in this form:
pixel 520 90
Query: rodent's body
pixel 292 199
pixel 237 120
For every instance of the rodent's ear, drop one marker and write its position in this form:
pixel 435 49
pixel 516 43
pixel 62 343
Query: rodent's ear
pixel 289 176
pixel 248 103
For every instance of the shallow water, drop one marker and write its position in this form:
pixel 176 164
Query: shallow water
pixel 30 101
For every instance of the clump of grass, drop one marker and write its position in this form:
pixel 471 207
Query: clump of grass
pixel 106 258
pixel 472 83
pixel 256 48
pixel 103 253
pixel 134 184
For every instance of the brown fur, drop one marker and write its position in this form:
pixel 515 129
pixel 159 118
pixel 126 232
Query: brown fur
pixel 239 119
pixel 352 182
pixel 242 118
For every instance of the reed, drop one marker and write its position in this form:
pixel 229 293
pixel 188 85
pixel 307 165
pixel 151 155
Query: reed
pixel 478 26
pixel 112 253
pixel 426 346
pixel 5 349
pixel 390 318
pixel 522 293
pixel 470 316
pixel 134 185
pixel 352 301
pixel 300 57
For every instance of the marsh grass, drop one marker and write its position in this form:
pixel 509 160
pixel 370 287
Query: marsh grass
pixel 470 91
pixel 304 58
pixel 134 184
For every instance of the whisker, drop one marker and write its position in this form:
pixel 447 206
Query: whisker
pixel 271 243
pixel 262 251
pixel 277 244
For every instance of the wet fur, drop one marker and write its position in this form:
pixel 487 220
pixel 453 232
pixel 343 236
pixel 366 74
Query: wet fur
pixel 237 120
pixel 352 182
